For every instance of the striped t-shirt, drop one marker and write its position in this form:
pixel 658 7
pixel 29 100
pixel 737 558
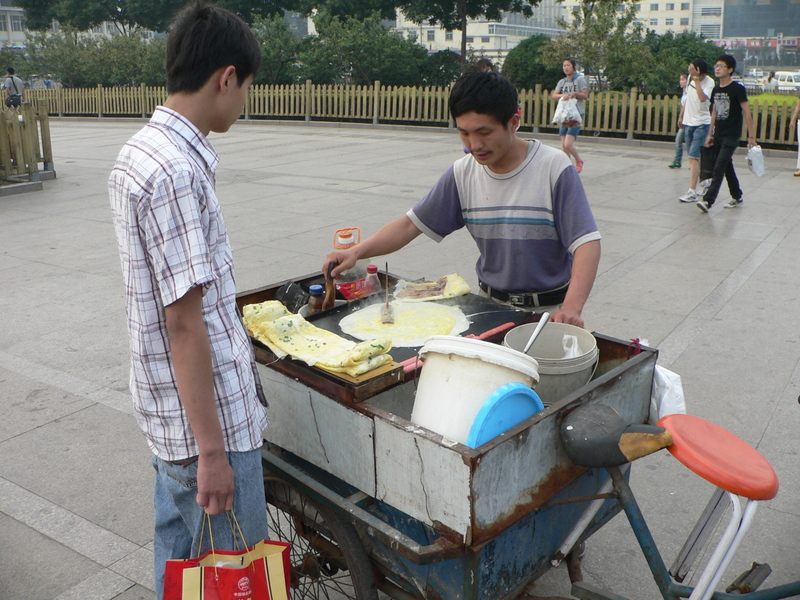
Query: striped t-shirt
pixel 526 223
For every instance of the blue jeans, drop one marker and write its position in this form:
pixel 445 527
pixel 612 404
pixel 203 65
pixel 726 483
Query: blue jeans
pixel 179 518
pixel 695 137
pixel 573 131
pixel 679 145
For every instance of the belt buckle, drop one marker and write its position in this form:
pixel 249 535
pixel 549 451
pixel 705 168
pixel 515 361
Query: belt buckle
pixel 516 299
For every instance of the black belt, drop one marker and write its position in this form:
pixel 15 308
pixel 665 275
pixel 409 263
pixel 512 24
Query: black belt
pixel 528 299
pixel 185 462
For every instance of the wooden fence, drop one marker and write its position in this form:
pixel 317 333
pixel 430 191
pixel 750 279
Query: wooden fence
pixel 25 142
pixel 623 114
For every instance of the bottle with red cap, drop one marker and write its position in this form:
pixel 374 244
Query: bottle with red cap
pixel 372 283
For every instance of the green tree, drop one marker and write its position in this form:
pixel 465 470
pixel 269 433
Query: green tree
pixel 81 15
pixel 525 67
pixel 280 47
pixel 68 58
pixel 454 14
pixel 441 68
pixel 360 52
pixel 671 55
pixel 607 41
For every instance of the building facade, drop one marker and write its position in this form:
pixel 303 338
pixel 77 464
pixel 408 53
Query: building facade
pixel 12 25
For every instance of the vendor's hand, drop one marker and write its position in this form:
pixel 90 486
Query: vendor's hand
pixel 214 483
pixel 338 261
pixel 751 141
pixel 565 315
pixel 709 142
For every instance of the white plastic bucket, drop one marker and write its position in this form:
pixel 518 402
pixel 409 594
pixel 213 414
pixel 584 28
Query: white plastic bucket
pixel 458 376
pixel 558 376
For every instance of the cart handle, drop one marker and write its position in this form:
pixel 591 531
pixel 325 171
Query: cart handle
pixel 440 550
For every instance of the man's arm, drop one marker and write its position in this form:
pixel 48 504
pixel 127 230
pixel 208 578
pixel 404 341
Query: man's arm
pixel 795 115
pixel 748 119
pixel 389 238
pixel 584 272
pixel 191 359
pixel 710 137
pixel 701 95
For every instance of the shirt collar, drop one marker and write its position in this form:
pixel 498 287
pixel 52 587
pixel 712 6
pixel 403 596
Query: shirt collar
pixel 166 117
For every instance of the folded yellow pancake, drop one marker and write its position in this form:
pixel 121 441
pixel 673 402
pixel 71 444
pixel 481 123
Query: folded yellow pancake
pixel 448 286
pixel 290 334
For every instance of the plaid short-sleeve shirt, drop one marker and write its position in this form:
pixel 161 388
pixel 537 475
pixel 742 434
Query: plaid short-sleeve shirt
pixel 171 238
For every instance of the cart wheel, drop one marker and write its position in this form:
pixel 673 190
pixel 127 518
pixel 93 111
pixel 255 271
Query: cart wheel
pixel 327 557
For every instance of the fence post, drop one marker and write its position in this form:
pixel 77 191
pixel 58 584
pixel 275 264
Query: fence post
pixel 43 117
pixel 60 101
pixel 100 100
pixel 307 100
pixel 142 100
pixel 376 102
pixel 538 104
pixel 632 112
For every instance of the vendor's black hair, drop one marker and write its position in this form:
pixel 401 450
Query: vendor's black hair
pixel 204 38
pixel 484 93
pixel 701 65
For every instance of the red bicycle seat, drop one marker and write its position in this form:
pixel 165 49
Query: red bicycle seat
pixel 720 457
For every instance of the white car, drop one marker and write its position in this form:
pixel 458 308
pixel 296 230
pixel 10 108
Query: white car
pixel 788 81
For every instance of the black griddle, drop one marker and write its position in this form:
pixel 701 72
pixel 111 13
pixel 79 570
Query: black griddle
pixel 482 313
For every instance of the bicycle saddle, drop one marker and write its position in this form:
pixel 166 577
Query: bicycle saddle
pixel 595 435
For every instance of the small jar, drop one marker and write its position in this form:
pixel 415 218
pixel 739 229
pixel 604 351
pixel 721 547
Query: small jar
pixel 315 300
pixel 372 284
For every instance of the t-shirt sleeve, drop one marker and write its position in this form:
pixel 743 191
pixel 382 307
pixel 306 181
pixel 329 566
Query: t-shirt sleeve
pixel 575 222
pixel 174 238
pixel 580 83
pixel 708 86
pixel 560 85
pixel 439 213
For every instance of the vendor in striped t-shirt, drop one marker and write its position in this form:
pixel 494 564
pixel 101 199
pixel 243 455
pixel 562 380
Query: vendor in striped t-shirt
pixel 522 202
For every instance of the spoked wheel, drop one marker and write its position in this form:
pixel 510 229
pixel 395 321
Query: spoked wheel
pixel 327 557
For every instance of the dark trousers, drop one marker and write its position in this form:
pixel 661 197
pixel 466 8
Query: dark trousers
pixel 723 167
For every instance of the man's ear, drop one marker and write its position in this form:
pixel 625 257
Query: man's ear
pixel 227 78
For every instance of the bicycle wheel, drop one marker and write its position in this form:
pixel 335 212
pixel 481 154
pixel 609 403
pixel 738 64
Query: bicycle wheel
pixel 328 559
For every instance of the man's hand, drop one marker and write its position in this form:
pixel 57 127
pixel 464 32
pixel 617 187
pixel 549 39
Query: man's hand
pixel 792 123
pixel 565 315
pixel 709 141
pixel 338 261
pixel 214 483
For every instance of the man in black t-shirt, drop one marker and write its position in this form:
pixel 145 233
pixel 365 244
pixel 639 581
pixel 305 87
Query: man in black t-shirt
pixel 728 106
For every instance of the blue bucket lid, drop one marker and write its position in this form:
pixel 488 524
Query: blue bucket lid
pixel 508 406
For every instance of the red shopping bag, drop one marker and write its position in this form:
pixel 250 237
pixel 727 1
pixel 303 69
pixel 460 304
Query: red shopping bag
pixel 259 572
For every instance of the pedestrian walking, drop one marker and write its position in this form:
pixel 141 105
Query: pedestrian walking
pixel 696 119
pixel 683 79
pixel 572 86
pixel 728 107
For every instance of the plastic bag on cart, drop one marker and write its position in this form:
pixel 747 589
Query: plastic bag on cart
pixel 667 395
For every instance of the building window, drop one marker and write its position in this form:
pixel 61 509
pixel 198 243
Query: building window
pixel 16 23
pixel 638 7
pixel 431 35
pixel 685 6
pixel 3 23
pixel 711 10
pixel 653 7
pixel 685 22
pixel 448 35
pixel 470 40
pixel 485 39
pixel 653 22
pixel 711 31
pixel 412 35
pixel 670 6
pixel 669 22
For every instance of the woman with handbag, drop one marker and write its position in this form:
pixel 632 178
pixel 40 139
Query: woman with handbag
pixel 572 87
pixel 15 88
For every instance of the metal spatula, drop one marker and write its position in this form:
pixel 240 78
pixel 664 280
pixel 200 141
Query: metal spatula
pixel 387 313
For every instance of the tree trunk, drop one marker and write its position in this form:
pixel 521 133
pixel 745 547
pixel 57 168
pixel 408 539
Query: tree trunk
pixel 461 7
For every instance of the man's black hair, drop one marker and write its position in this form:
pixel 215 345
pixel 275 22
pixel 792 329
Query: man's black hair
pixel 10 70
pixel 484 93
pixel 204 38
pixel 701 65
pixel 729 61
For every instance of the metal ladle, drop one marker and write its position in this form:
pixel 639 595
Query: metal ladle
pixel 542 322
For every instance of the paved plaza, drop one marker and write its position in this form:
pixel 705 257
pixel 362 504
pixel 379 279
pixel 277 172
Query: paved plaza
pixel 718 294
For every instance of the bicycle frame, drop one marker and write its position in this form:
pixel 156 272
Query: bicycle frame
pixel 670 590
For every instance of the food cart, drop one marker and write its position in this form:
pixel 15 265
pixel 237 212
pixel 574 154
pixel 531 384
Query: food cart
pixel 371 501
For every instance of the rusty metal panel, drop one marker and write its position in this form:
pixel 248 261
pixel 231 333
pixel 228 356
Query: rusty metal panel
pixel 420 475
pixel 327 433
pixel 520 470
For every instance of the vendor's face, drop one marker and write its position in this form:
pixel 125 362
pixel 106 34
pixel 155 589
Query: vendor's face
pixel 568 68
pixel 487 140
